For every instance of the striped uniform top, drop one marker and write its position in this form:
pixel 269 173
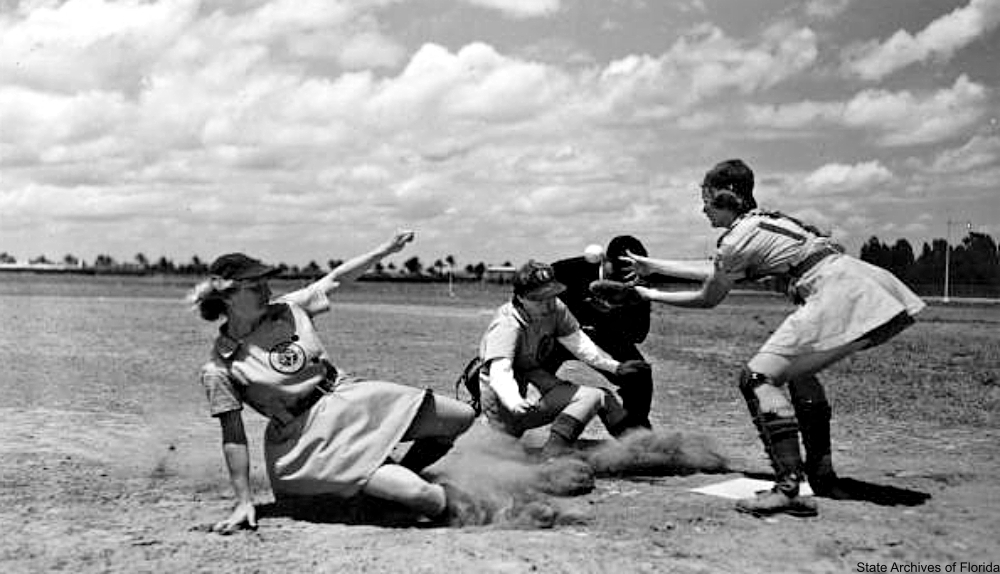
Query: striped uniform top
pixel 761 243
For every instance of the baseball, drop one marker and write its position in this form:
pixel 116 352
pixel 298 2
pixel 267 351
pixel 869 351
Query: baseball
pixel 593 253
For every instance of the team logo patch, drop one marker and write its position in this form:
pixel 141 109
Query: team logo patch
pixel 287 358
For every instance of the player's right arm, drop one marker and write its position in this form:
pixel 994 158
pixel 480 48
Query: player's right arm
pixel 237 455
pixel 698 270
pixel 504 384
pixel 225 404
pixel 714 289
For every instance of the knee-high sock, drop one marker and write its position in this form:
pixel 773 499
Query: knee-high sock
pixel 813 413
pixel 425 452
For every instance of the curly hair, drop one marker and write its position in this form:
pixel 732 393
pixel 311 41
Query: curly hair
pixel 209 297
pixel 732 183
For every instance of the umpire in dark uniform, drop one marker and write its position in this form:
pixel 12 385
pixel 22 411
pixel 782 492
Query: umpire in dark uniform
pixel 617 330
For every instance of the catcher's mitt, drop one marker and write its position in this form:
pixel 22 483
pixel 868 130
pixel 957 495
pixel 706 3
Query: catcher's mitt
pixel 615 292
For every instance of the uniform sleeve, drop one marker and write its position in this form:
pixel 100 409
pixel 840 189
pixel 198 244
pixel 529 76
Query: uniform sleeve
pixel 310 299
pixel 500 340
pixel 736 255
pixel 220 389
pixel 566 323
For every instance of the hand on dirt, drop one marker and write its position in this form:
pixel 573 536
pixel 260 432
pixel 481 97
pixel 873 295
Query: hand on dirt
pixel 243 514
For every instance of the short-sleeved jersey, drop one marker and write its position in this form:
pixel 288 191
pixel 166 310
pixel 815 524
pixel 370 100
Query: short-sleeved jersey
pixel 276 365
pixel 527 343
pixel 761 243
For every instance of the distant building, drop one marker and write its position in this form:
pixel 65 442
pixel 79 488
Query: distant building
pixel 499 274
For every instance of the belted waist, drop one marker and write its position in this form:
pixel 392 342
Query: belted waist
pixel 323 388
pixel 811 260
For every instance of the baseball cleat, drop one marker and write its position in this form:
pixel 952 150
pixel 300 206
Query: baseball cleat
pixel 775 502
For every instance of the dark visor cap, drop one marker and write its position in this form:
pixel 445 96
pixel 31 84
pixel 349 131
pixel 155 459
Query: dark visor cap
pixel 237 266
pixel 536 281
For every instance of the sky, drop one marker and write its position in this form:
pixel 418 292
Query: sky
pixel 497 130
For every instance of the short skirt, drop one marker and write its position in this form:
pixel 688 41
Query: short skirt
pixel 345 437
pixel 844 299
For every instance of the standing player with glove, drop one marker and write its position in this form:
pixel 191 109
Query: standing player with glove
pixel 516 349
pixel 617 329
pixel 844 305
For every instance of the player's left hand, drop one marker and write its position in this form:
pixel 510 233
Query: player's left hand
pixel 635 266
pixel 632 367
pixel 399 241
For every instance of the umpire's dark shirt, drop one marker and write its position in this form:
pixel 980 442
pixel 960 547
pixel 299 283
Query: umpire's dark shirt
pixel 628 323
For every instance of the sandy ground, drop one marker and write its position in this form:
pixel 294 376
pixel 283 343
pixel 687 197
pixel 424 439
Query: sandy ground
pixel 111 498
pixel 89 490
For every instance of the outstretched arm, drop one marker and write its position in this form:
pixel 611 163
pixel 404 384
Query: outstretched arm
pixel 712 292
pixel 698 270
pixel 584 348
pixel 354 267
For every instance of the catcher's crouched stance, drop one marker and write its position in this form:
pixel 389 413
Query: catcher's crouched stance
pixel 844 305
pixel 514 351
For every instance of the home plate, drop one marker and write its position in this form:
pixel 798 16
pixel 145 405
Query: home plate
pixel 738 488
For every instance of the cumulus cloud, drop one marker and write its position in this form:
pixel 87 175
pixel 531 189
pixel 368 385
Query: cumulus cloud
pixel 322 111
pixel 826 8
pixel 978 152
pixel 842 178
pixel 910 118
pixel 898 118
pixel 520 8
pixel 940 39
pixel 88 44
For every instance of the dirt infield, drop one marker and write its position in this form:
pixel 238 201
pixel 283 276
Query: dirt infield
pixel 110 463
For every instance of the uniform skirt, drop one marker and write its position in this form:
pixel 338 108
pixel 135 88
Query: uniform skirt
pixel 843 300
pixel 336 446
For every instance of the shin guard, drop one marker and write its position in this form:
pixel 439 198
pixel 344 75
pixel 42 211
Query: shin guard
pixel 780 435
pixel 813 413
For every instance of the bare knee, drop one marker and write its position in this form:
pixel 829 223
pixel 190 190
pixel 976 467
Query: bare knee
pixel 590 398
pixel 409 490
pixel 455 415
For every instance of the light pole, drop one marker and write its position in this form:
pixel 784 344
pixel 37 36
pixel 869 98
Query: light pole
pixel 947 257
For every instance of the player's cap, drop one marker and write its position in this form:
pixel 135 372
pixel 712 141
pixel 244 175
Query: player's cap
pixel 237 266
pixel 536 281
pixel 733 175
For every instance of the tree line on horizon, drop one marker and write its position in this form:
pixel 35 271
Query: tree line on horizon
pixel 412 268
pixel 973 266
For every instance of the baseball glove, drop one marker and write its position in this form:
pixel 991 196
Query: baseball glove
pixel 615 292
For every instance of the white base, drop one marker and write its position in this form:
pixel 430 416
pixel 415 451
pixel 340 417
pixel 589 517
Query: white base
pixel 739 488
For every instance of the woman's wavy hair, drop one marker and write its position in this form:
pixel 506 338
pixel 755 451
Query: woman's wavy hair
pixel 208 297
pixel 731 182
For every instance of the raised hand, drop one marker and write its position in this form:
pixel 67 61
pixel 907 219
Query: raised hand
pixel 399 241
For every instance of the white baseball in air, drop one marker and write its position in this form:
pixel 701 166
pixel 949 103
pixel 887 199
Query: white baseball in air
pixel 593 253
